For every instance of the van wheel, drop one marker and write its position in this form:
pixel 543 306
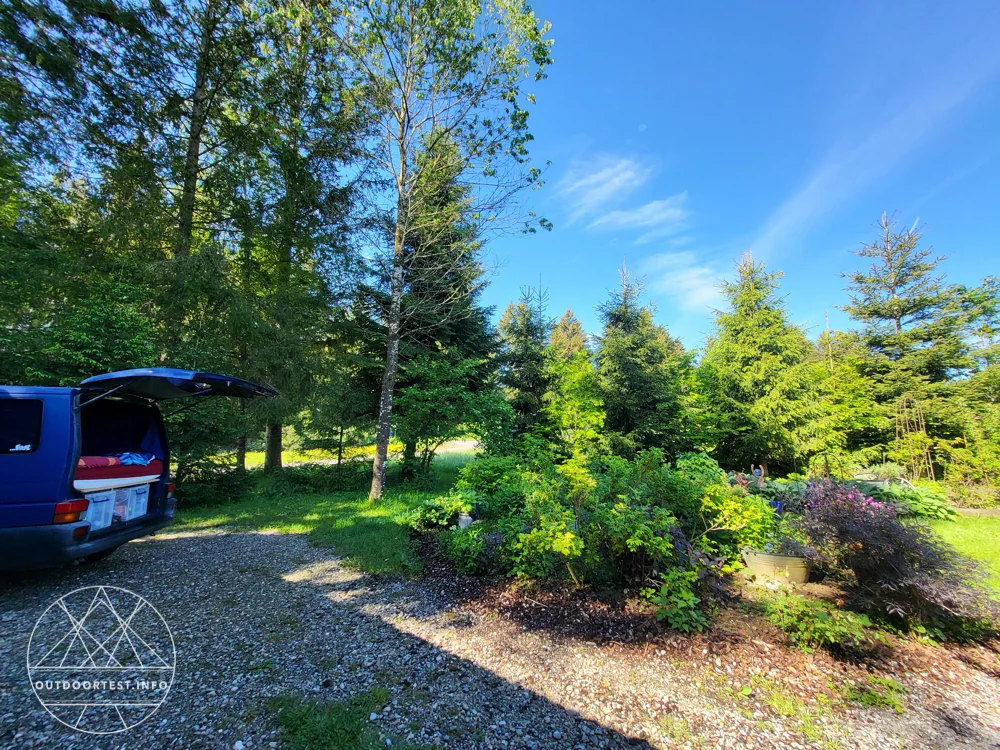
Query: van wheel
pixel 97 556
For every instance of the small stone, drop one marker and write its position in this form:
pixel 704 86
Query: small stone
pixel 238 745
pixel 557 735
pixel 373 717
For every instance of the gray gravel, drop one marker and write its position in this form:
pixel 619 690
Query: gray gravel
pixel 256 615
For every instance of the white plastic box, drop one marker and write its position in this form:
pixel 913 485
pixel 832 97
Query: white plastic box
pixel 131 502
pixel 100 509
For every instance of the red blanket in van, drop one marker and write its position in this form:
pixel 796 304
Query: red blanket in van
pixel 106 467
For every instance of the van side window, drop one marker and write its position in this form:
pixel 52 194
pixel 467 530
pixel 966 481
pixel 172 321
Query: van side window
pixel 20 425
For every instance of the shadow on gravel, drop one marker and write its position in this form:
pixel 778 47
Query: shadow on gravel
pixel 256 616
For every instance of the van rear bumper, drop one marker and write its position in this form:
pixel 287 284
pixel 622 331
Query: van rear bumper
pixel 28 547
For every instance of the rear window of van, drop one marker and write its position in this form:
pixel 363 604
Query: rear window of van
pixel 20 425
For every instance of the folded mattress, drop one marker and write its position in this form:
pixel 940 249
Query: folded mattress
pixel 105 473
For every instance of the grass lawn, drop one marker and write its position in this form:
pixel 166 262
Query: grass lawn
pixel 371 536
pixel 975 536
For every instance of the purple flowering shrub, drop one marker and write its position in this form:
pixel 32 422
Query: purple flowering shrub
pixel 905 569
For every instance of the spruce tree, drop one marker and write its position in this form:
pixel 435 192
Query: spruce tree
pixel 911 322
pixel 644 374
pixel 524 334
pixel 568 337
pixel 753 373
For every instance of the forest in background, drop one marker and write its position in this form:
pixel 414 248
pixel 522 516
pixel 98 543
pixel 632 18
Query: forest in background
pixel 301 193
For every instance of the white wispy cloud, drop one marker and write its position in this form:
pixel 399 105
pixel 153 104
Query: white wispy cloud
pixel 658 218
pixel 684 278
pixel 593 186
pixel 853 166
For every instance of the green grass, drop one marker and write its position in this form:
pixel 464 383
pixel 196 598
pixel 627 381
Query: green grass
pixel 370 536
pixel 312 725
pixel 878 692
pixel 975 536
pixel 255 459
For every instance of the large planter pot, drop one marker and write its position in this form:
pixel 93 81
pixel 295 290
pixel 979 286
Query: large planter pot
pixel 783 568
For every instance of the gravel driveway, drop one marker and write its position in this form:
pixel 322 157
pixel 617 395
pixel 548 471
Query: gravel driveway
pixel 255 615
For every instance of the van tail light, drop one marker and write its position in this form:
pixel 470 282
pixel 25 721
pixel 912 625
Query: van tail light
pixel 70 510
pixel 170 490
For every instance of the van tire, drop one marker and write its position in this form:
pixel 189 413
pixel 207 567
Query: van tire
pixel 97 556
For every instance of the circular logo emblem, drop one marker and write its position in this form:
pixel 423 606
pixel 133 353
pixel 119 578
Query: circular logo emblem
pixel 101 659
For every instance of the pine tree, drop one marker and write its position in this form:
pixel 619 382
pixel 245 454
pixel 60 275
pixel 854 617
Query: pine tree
pixel 644 374
pixel 753 373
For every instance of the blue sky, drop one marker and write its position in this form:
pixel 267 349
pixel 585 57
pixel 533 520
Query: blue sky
pixel 682 134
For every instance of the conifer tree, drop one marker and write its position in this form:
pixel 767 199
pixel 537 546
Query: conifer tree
pixel 644 374
pixel 753 373
pixel 524 334
pixel 911 322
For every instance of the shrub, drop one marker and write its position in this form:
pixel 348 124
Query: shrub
pixel 676 600
pixel 440 512
pixel 811 624
pixel 497 481
pixel 700 469
pixel 903 568
pixel 465 548
pixel 909 500
pixel 882 472
pixel 634 539
pixel 791 494
pixel 733 519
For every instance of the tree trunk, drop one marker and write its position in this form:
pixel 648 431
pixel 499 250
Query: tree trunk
pixel 241 453
pixel 340 446
pixel 192 160
pixel 388 378
pixel 272 447
pixel 385 414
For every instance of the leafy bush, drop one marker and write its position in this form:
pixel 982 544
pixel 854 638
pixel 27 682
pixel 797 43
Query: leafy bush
pixel 543 535
pixel 440 512
pixel 700 468
pixel 882 472
pixel 497 481
pixel 811 624
pixel 465 548
pixel 910 500
pixel 904 569
pixel 676 600
pixel 791 494
pixel 734 519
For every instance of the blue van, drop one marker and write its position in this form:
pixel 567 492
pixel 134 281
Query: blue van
pixel 84 470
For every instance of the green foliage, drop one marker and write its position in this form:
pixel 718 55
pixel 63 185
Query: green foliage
pixel 524 331
pixel 544 534
pixel 220 485
pixel 925 502
pixel 440 512
pixel 573 404
pixel 496 481
pixel 754 375
pixel 811 624
pixel 734 519
pixel 465 548
pixel 644 374
pixel 676 600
